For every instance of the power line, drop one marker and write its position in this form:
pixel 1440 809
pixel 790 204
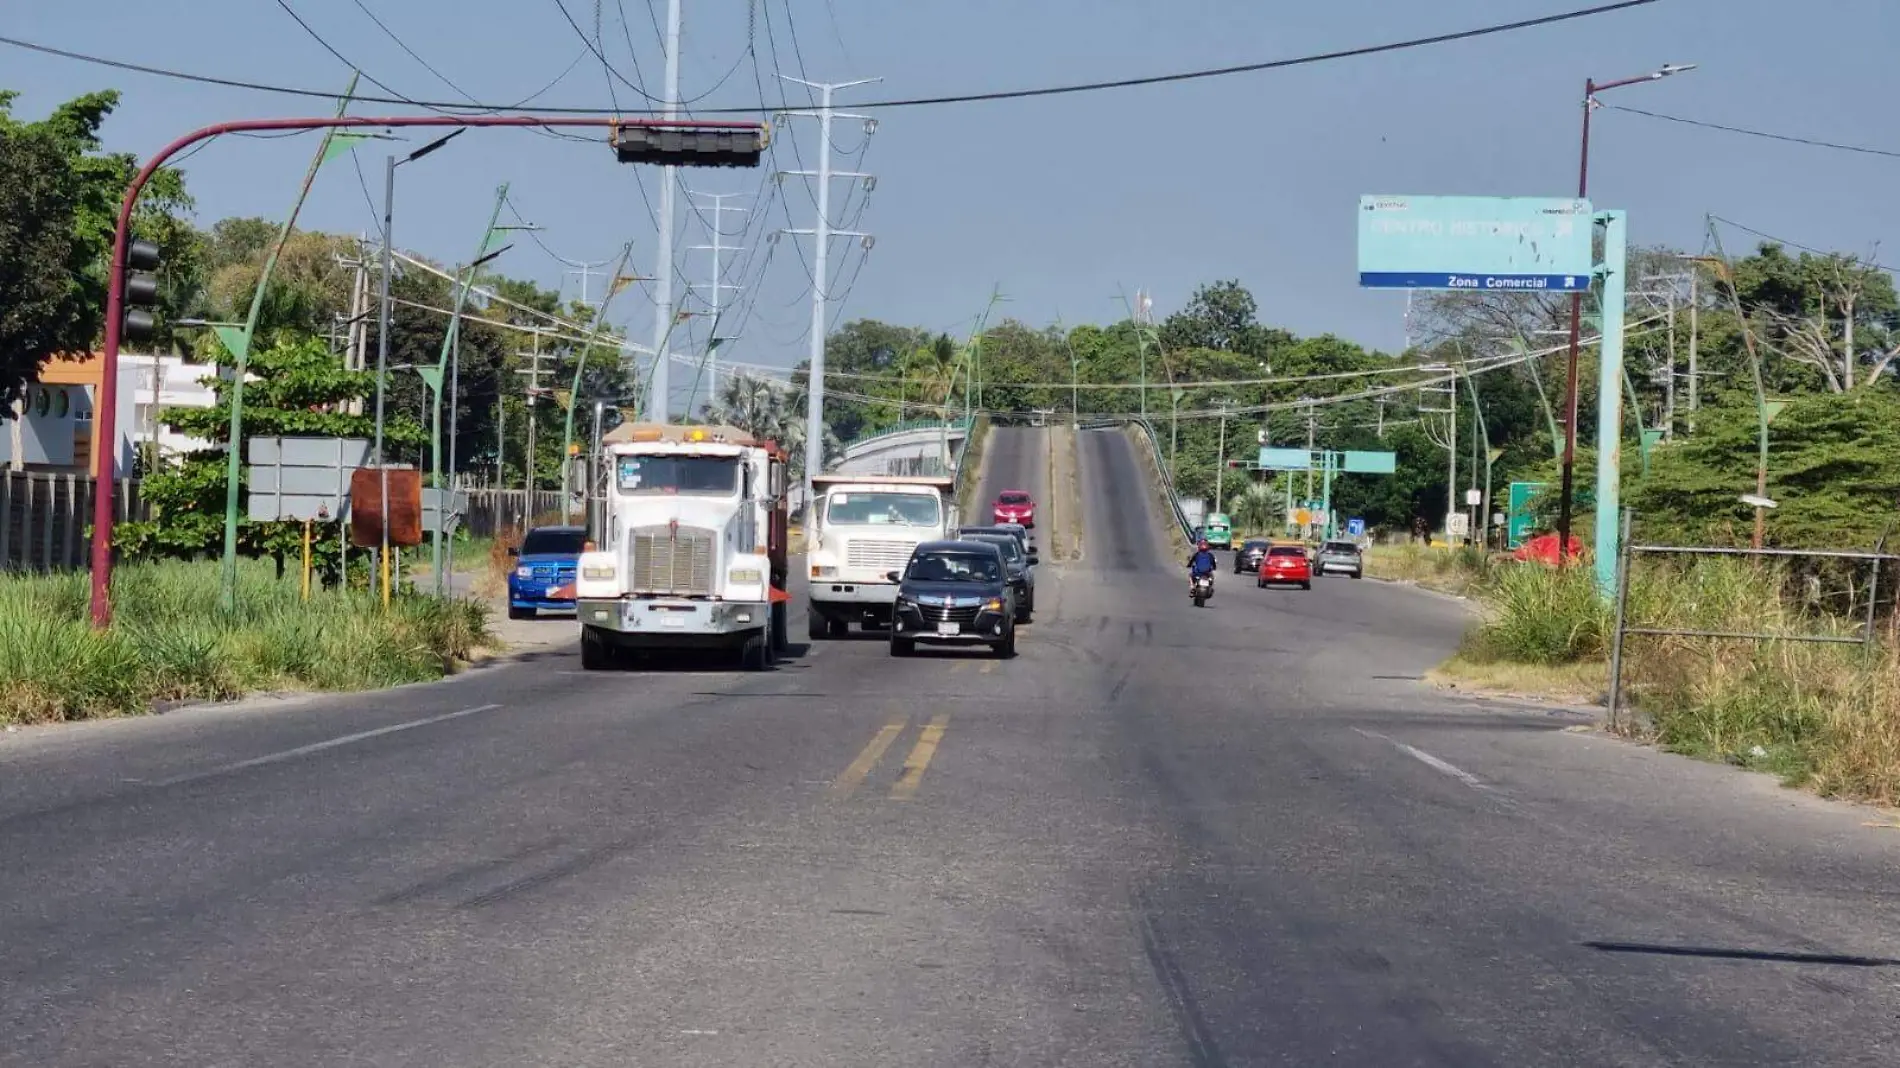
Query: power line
pixel 957 98
pixel 594 47
pixel 340 57
pixel 1793 244
pixel 1789 138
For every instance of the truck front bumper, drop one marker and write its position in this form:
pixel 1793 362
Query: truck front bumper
pixel 674 621
pixel 830 591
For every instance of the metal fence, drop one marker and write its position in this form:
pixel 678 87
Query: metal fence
pixel 1872 562
pixel 491 510
pixel 45 519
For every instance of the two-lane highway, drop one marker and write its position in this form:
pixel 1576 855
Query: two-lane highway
pixel 1161 835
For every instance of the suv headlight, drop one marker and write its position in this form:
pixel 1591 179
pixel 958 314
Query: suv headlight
pixel 994 604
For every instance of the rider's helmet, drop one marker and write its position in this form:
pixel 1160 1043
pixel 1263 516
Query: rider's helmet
pixel 1203 544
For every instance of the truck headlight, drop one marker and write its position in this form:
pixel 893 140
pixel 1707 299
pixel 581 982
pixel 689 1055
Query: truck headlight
pixel 524 572
pixel 823 571
pixel 745 576
pixel 597 573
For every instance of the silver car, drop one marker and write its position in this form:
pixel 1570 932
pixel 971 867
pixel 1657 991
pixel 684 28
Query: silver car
pixel 1340 558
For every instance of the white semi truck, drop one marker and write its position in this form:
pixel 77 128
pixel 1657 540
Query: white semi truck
pixel 688 549
pixel 859 529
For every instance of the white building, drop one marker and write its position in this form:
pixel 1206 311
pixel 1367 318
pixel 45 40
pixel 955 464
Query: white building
pixel 160 382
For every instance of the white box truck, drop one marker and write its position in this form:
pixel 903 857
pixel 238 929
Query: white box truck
pixel 859 530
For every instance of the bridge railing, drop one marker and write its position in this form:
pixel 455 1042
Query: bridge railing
pixel 907 427
pixel 1167 477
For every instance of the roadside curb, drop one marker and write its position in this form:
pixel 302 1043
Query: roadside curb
pixel 1411 585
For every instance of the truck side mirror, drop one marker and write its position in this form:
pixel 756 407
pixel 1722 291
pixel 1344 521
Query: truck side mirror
pixel 894 576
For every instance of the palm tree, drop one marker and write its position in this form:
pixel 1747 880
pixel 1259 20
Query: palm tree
pixel 1254 508
pixel 772 410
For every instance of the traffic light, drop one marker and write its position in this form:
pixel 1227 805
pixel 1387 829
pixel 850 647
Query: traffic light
pixel 138 293
pixel 687 145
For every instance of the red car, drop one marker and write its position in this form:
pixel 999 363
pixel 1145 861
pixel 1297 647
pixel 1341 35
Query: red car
pixel 1014 506
pixel 1286 564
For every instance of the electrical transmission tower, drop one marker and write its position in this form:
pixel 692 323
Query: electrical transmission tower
pixel 715 290
pixel 821 234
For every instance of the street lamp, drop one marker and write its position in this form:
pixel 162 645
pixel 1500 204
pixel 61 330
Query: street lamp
pixel 382 336
pixel 1591 87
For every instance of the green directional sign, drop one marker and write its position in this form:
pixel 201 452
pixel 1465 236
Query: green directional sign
pixel 1518 516
pixel 1369 463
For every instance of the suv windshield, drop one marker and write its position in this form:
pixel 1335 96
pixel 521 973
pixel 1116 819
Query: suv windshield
pixel 549 541
pixel 1012 549
pixel 898 509
pixel 1340 547
pixel 715 476
pixel 955 567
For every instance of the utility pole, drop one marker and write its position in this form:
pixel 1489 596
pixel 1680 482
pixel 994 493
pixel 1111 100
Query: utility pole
pixel 357 336
pixel 1451 456
pixel 821 234
pixel 659 407
pixel 715 291
pixel 1220 464
pixel 1695 378
pixel 586 271
pixel 534 372
pixel 1312 427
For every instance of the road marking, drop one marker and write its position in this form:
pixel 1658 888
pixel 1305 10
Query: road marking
pixel 854 775
pixel 1431 761
pixel 919 760
pixel 318 747
pixel 958 665
pixel 988 666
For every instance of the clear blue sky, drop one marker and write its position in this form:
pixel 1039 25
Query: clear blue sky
pixel 1062 200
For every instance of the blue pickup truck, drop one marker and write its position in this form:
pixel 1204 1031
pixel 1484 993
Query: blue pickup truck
pixel 544 571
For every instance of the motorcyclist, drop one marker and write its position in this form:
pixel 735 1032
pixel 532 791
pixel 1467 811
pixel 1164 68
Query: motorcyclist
pixel 1202 563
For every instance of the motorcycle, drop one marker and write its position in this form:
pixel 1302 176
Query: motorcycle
pixel 1201 587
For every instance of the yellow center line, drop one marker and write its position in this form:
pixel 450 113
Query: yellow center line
pixel 919 759
pixel 854 775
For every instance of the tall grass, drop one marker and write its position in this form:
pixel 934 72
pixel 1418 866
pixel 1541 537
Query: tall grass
pixel 169 641
pixel 1823 715
pixel 1451 570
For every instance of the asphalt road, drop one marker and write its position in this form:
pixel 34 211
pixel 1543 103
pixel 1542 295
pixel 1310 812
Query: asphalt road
pixel 1239 835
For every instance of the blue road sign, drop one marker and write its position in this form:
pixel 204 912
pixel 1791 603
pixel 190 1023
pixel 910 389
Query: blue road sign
pixel 1355 528
pixel 1484 244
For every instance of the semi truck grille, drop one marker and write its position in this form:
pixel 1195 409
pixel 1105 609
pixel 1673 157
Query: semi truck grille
pixel 878 554
pixel 671 561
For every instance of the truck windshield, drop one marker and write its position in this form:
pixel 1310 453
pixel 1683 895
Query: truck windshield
pixel 896 509
pixel 711 476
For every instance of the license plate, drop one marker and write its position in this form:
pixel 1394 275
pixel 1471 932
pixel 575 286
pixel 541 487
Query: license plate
pixel 949 628
pixel 672 620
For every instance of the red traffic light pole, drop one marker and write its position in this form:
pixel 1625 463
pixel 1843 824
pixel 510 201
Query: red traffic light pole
pixel 105 410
